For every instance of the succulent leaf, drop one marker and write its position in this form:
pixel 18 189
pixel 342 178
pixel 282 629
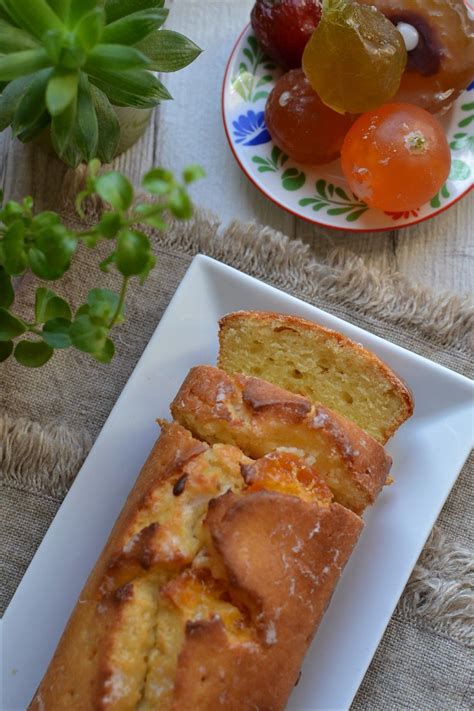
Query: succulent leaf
pixel 61 90
pixel 62 128
pixel 116 57
pixel 32 103
pixel 61 8
pixel 115 9
pixel 87 127
pixel 10 99
pixel 136 87
pixel 108 125
pixel 169 51
pixel 133 28
pixel 37 17
pixel 67 62
pixel 13 39
pixel 79 8
pixel 35 128
pixel 89 29
pixel 17 64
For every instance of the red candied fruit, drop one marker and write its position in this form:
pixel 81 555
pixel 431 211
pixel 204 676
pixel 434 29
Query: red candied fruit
pixel 301 125
pixel 283 28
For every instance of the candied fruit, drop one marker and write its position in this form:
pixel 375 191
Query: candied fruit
pixel 355 57
pixel 301 125
pixel 441 65
pixel 396 158
pixel 283 28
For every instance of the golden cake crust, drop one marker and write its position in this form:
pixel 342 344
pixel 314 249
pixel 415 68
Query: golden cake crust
pixel 259 417
pixel 78 674
pixel 281 555
pixel 283 322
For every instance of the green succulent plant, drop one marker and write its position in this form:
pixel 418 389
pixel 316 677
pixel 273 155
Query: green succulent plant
pixel 65 63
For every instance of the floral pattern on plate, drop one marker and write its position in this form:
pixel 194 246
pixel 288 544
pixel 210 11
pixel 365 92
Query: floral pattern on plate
pixel 320 194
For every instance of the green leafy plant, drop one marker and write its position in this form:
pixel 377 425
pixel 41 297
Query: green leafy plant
pixel 43 244
pixel 65 63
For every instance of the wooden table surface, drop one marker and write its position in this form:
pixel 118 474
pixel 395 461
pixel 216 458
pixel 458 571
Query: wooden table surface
pixel 437 253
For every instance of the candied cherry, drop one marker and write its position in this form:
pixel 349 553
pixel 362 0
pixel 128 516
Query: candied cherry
pixel 355 57
pixel 396 157
pixel 301 125
pixel 283 27
pixel 441 65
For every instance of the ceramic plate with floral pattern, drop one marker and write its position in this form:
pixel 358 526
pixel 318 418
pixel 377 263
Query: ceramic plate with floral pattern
pixel 320 194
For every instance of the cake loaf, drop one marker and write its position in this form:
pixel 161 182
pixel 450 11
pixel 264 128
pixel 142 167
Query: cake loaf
pixel 259 418
pixel 196 600
pixel 318 363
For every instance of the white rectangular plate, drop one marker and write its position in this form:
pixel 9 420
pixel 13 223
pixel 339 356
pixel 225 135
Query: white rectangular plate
pixel 428 453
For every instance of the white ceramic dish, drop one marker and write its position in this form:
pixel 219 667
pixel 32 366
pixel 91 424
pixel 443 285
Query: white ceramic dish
pixel 320 194
pixel 428 453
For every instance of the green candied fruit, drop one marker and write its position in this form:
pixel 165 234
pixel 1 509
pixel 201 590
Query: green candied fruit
pixel 355 58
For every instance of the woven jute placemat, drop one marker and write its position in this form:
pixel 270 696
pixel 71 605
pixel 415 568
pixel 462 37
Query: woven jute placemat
pixel 50 417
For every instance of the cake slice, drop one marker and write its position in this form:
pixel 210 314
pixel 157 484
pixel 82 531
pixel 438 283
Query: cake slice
pixel 322 365
pixel 259 417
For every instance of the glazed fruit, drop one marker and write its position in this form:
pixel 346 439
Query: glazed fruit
pixel 396 157
pixel 283 28
pixel 441 66
pixel 355 58
pixel 301 125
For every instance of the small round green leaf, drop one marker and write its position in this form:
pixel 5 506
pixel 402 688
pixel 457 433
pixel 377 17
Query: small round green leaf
pixel 56 333
pixel 87 336
pixel 6 348
pixel 133 251
pixel 193 173
pixel 51 256
pixel 50 306
pixel 180 204
pixel 115 189
pixel 10 326
pixel 14 254
pixel 109 224
pixel 159 181
pixel 107 352
pixel 102 305
pixel 33 354
pixel 7 294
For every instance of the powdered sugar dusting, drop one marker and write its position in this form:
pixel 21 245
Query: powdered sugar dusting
pixel 130 543
pixel 320 419
pixel 270 633
pixel 116 687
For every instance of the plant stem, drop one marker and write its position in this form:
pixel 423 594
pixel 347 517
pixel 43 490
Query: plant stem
pixel 121 300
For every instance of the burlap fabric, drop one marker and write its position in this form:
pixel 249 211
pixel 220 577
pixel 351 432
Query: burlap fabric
pixel 50 417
